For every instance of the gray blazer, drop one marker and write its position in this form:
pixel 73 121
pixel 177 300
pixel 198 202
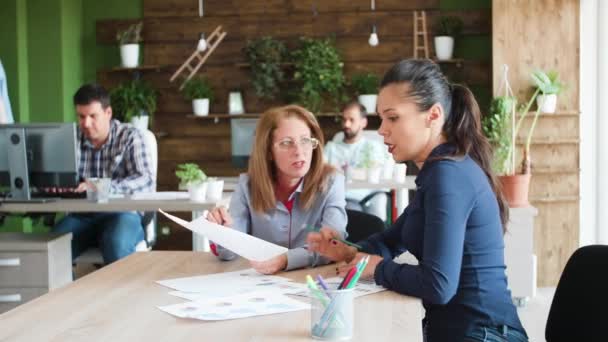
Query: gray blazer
pixel 289 230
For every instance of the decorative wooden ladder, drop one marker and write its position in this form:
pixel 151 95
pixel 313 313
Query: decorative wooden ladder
pixel 421 41
pixel 198 58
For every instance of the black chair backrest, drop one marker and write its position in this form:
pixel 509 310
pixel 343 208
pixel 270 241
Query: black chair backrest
pixel 578 310
pixel 361 225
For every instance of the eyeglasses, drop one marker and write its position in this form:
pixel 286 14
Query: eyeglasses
pixel 289 144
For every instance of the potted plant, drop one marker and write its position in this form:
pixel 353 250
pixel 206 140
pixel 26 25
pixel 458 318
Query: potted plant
pixel 549 86
pixel 193 178
pixel 370 164
pixel 366 86
pixel 129 40
pixel 449 28
pixel 134 101
pixel 199 91
pixel 318 74
pixel 266 57
pixel 515 181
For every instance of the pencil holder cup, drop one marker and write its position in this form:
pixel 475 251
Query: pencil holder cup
pixel 332 315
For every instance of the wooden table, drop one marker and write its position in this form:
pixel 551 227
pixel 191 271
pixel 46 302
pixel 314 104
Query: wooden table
pixel 118 303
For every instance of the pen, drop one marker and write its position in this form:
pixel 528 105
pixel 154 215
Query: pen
pixel 358 247
pixel 315 290
pixel 353 282
pixel 322 282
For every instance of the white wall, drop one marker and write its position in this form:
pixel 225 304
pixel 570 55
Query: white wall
pixel 588 121
pixel 594 122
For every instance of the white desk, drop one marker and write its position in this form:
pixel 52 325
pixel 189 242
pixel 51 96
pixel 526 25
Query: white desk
pixel 118 303
pixel 121 204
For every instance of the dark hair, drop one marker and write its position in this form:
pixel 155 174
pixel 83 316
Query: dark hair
pixel 462 127
pixel 92 92
pixel 355 103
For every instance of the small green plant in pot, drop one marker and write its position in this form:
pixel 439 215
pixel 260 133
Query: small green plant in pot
pixel 550 86
pixel 318 74
pixel 266 57
pixel 497 127
pixel 199 91
pixel 365 86
pixel 449 28
pixel 194 179
pixel 129 40
pixel 134 101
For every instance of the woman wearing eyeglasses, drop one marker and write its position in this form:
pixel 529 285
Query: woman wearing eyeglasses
pixel 287 191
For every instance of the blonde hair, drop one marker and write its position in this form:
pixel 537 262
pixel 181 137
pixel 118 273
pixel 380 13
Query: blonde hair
pixel 262 170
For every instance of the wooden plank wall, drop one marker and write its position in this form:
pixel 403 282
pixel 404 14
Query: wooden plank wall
pixel 170 34
pixel 526 35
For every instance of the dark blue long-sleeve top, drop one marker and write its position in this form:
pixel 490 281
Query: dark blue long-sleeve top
pixel 453 228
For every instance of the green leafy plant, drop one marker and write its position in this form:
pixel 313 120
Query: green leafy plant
pixel 132 35
pixel 497 127
pixel 365 83
pixel 198 88
pixel 318 73
pixel 266 57
pixel 548 83
pixel 133 98
pixel 449 26
pixel 190 173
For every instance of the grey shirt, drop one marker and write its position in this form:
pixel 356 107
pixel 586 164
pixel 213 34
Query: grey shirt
pixel 289 230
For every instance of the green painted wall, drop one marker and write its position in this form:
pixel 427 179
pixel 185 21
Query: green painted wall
pixel 13 53
pixel 103 56
pixel 71 57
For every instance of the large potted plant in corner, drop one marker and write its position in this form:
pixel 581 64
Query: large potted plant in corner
pixel 135 102
pixel 193 178
pixel 449 29
pixel 318 74
pixel 549 86
pixel 266 57
pixel 199 91
pixel 365 86
pixel 129 40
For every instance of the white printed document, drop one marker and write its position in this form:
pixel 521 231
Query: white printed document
pixel 237 306
pixel 245 245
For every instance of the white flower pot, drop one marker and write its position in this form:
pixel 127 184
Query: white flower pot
pixel 399 173
pixel 357 173
pixel 140 122
pixel 198 192
pixel 369 102
pixel 547 103
pixel 373 175
pixel 444 47
pixel 214 190
pixel 200 107
pixel 387 169
pixel 129 55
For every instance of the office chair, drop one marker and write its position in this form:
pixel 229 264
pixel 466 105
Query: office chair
pixel 577 310
pixel 93 254
pixel 361 225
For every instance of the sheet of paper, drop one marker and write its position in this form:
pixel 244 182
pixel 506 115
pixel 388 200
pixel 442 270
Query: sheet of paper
pixel 285 288
pixel 363 287
pixel 227 284
pixel 164 195
pixel 245 245
pixel 237 306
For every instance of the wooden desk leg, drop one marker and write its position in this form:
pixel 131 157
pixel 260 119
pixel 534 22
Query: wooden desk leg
pixel 199 242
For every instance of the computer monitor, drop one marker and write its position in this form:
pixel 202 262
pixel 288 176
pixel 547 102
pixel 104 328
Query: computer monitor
pixel 242 132
pixel 41 155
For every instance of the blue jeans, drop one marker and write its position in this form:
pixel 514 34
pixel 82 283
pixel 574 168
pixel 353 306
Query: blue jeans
pixel 116 234
pixel 495 334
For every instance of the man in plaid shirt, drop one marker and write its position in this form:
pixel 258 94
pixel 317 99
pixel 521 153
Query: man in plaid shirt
pixel 113 150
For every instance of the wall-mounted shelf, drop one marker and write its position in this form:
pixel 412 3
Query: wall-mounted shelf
pixel 556 114
pixel 136 69
pixel 457 61
pixel 216 117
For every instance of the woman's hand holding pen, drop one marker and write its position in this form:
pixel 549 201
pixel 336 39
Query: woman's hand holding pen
pixel 368 272
pixel 271 266
pixel 325 243
pixel 220 216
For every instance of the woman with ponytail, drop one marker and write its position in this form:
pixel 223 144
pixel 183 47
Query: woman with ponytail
pixel 455 224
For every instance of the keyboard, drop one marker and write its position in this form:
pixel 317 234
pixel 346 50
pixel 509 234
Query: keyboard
pixel 64 193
